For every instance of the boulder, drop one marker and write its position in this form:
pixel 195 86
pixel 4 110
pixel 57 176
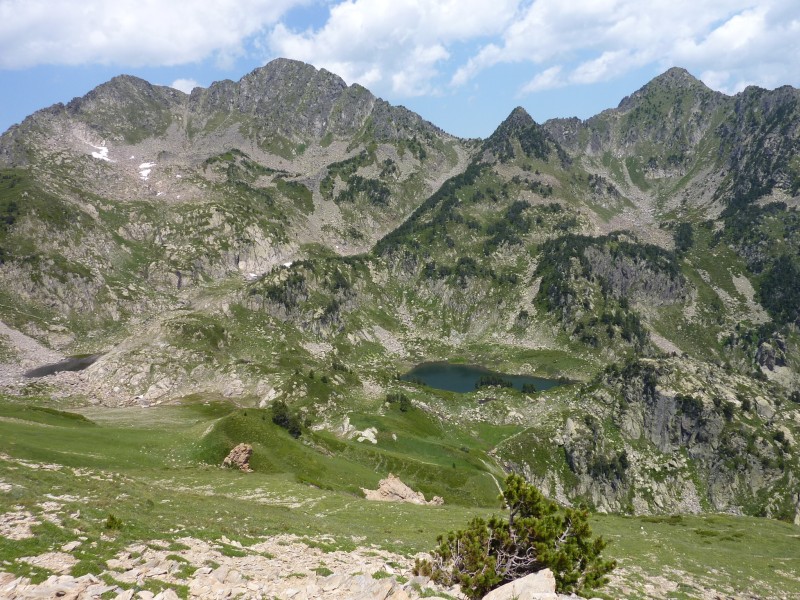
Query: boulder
pixel 239 457
pixel 771 356
pixel 392 489
pixel 536 586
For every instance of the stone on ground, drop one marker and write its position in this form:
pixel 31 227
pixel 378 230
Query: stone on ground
pixel 536 586
pixel 239 457
pixel 392 489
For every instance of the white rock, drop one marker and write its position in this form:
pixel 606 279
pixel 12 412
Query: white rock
pixel 536 586
pixel 220 573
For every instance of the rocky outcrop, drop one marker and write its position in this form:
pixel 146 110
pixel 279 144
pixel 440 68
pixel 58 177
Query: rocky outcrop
pixel 713 438
pixel 772 353
pixel 239 458
pixel 392 489
pixel 637 278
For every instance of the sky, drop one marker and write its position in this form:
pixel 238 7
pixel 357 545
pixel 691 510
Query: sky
pixel 462 64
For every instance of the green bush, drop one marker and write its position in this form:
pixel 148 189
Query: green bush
pixel 537 535
pixel 684 237
pixel 780 290
pixel 282 417
pixel 399 398
pixel 113 522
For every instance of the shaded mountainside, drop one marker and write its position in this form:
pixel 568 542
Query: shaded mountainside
pixel 291 238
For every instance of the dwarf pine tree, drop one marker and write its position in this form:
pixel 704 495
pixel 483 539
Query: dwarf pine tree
pixel 538 534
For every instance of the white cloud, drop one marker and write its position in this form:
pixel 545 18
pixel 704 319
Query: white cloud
pixel 129 32
pixel 755 47
pixel 608 65
pixel 399 44
pixel 415 47
pixel 735 42
pixel 546 80
pixel 184 85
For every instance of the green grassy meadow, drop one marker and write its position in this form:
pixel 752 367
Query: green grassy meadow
pixel 156 471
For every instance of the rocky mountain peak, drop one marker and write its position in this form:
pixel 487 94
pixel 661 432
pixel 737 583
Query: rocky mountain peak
pixel 127 107
pixel 122 93
pixel 288 97
pixel 677 76
pixel 519 132
pixel 675 81
pixel 519 117
pixel 284 77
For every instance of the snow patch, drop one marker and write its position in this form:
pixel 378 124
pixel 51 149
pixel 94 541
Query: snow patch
pixel 145 169
pixel 101 152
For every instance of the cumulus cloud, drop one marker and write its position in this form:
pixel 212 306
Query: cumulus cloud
pixel 731 42
pixel 546 80
pixel 420 47
pixel 400 44
pixel 184 85
pixel 129 32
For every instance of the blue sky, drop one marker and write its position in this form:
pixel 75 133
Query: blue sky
pixel 462 64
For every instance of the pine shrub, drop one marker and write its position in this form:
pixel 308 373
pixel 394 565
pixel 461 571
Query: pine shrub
pixel 538 534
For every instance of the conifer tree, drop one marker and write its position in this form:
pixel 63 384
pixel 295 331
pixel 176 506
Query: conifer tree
pixel 538 534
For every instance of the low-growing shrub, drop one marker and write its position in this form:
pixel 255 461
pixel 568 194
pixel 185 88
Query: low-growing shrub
pixel 538 534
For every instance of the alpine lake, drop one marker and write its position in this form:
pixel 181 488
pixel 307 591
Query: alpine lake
pixel 466 378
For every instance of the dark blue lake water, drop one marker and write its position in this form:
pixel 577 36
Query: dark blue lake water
pixel 74 363
pixel 462 378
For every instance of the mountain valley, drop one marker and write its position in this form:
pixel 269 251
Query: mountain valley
pixel 291 240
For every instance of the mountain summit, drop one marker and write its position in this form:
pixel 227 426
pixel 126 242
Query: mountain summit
pixel 520 135
pixel 675 82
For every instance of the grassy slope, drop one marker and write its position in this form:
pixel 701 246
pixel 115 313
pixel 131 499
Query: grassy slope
pixel 146 467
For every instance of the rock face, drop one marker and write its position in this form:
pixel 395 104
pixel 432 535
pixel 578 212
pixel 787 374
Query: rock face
pixel 239 458
pixel 536 586
pixel 392 489
pixel 771 355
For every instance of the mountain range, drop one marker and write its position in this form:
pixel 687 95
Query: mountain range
pixel 288 237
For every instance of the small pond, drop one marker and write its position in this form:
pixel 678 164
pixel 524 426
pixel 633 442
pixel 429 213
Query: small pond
pixel 463 378
pixel 73 363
